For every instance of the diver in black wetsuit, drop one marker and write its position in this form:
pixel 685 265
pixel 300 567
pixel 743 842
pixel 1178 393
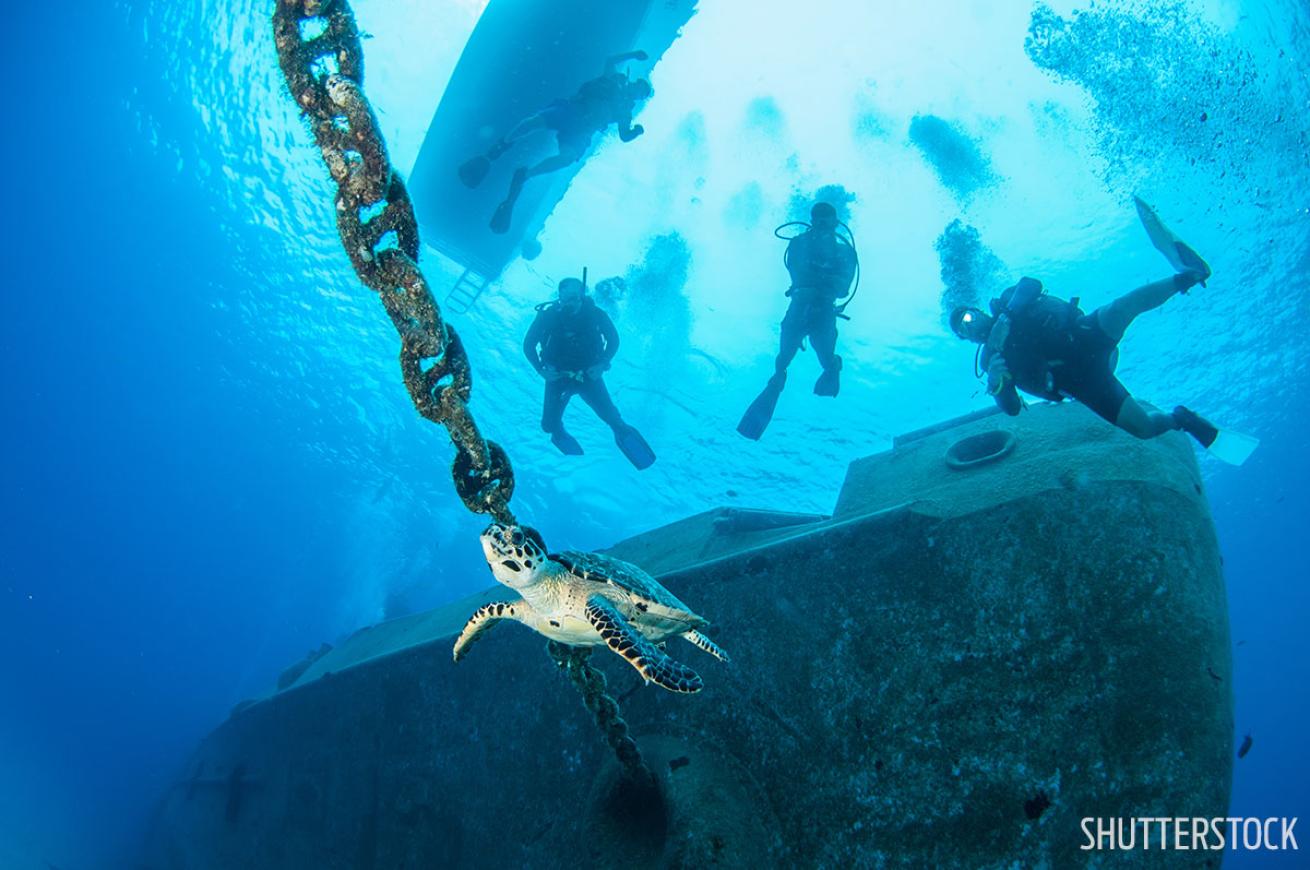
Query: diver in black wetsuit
pixel 1048 348
pixel 571 344
pixel 611 98
pixel 822 265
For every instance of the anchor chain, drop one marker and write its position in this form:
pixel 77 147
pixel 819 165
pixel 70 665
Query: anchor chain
pixel 591 683
pixel 319 52
pixel 321 58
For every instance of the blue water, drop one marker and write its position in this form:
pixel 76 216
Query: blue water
pixel 211 466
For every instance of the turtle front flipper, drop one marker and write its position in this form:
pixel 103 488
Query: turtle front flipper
pixel 482 620
pixel 699 640
pixel 653 665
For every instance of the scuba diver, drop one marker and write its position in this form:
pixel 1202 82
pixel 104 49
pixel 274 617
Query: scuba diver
pixel 608 99
pixel 570 344
pixel 1048 348
pixel 822 264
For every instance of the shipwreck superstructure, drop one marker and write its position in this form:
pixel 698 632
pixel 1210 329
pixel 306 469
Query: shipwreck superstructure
pixel 1006 625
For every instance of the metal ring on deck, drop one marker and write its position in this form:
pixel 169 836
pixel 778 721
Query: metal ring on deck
pixel 980 449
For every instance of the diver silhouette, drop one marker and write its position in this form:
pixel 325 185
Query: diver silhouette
pixel 822 264
pixel 610 98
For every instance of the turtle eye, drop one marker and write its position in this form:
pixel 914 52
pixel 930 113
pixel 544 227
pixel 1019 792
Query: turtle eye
pixel 518 537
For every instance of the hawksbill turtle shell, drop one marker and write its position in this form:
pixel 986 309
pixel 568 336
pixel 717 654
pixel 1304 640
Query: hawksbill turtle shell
pixel 589 599
pixel 626 577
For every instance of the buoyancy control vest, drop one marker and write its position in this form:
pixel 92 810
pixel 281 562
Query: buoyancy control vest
pixel 1042 335
pixel 572 341
pixel 823 263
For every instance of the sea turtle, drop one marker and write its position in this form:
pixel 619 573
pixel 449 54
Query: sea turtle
pixel 586 599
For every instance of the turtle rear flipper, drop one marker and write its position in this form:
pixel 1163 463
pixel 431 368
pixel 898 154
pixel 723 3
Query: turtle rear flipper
pixel 482 620
pixel 653 665
pixel 697 639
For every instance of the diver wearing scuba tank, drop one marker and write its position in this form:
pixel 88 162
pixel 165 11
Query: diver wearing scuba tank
pixel 1047 347
pixel 570 344
pixel 611 98
pixel 822 264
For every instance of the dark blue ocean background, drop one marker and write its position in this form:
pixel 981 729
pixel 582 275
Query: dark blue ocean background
pixel 211 465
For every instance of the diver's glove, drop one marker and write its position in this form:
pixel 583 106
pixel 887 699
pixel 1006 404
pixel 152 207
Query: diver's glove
pixel 997 375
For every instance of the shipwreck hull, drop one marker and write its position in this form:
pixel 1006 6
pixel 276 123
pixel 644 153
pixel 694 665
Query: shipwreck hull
pixel 954 669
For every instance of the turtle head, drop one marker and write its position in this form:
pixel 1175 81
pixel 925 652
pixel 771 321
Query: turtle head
pixel 516 554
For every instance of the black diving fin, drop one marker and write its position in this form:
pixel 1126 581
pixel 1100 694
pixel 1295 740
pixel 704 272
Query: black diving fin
pixel 760 413
pixel 500 220
pixel 635 448
pixel 829 382
pixel 505 211
pixel 567 444
pixel 472 171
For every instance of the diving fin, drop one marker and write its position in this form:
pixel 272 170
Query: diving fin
pixel 472 171
pixel 1233 447
pixel 829 382
pixel 500 220
pixel 760 413
pixel 635 448
pixel 505 211
pixel 1226 445
pixel 567 444
pixel 1179 254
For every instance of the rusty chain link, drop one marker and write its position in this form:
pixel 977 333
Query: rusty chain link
pixel 319 52
pixel 324 72
pixel 591 683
